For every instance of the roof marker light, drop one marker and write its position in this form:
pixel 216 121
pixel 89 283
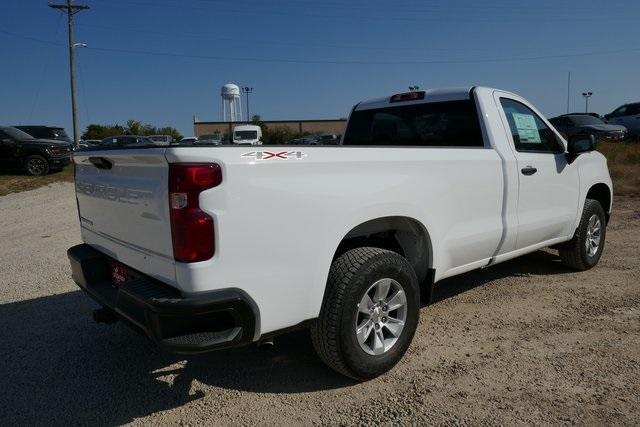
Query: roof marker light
pixel 407 96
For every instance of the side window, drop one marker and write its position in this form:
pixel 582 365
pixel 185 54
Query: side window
pixel 559 121
pixel 109 141
pixel 529 132
pixel 633 109
pixel 435 124
pixel 620 111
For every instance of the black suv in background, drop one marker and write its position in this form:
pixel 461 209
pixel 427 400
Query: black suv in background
pixel 19 150
pixel 577 124
pixel 45 132
pixel 627 115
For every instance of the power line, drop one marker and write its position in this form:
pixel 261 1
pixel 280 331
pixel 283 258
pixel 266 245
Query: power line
pixel 205 37
pixel 526 18
pixel 209 38
pixel 312 61
pixel 408 9
pixel 339 62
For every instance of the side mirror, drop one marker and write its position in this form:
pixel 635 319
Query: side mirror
pixel 579 144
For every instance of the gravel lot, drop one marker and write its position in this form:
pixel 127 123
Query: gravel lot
pixel 527 341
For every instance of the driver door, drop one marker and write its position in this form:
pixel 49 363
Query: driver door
pixel 548 186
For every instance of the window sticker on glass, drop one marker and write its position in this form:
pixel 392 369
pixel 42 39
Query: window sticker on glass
pixel 527 129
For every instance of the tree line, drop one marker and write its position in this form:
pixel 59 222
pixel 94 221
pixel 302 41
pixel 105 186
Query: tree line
pixel 132 127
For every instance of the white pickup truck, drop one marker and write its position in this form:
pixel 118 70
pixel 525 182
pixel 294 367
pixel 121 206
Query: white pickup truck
pixel 210 247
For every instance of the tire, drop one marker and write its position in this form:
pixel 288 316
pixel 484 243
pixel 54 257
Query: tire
pixel 574 253
pixel 358 272
pixel 36 165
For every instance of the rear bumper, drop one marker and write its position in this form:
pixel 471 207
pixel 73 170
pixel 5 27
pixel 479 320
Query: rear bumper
pixel 210 321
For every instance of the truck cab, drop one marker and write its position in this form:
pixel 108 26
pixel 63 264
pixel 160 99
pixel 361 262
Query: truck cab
pixel 247 135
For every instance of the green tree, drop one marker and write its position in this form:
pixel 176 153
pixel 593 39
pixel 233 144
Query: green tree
pixel 95 131
pixel 277 135
pixel 168 130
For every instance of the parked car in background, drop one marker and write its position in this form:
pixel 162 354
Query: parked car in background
pixel 125 141
pixel 307 140
pixel 628 116
pixel 317 139
pixel 91 141
pixel 45 132
pixel 327 139
pixel 188 140
pixel 209 139
pixel 161 139
pixel 575 124
pixel 21 151
pixel 247 135
pixel 86 143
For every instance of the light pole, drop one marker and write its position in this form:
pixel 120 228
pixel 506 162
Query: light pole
pixel 247 90
pixel 586 95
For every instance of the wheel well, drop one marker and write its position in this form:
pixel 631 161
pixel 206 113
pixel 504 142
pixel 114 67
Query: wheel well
pixel 602 194
pixel 403 235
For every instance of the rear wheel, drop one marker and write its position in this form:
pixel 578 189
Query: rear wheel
pixel 585 249
pixel 369 313
pixel 37 165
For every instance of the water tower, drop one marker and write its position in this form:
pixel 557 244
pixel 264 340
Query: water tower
pixel 231 108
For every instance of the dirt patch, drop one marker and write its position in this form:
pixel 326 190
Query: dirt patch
pixel 527 341
pixel 15 182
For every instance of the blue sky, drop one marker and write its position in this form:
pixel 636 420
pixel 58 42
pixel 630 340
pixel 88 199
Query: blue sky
pixel 308 58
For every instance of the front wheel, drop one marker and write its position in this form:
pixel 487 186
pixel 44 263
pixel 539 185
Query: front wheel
pixel 37 165
pixel 585 249
pixel 369 313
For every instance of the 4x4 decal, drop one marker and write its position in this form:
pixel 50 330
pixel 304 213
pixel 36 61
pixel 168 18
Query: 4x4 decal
pixel 268 155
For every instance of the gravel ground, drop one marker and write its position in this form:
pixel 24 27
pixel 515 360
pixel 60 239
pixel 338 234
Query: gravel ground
pixel 527 341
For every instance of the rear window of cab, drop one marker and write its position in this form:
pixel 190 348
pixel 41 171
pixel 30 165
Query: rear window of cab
pixel 435 124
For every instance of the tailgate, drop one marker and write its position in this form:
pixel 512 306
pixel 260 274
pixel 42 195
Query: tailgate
pixel 124 208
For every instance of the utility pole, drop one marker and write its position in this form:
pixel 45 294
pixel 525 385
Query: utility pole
pixel 72 9
pixel 568 90
pixel 247 90
pixel 586 95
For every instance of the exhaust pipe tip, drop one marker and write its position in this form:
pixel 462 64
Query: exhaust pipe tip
pixel 266 345
pixel 104 315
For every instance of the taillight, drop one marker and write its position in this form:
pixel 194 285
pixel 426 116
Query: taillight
pixel 192 230
pixel 407 96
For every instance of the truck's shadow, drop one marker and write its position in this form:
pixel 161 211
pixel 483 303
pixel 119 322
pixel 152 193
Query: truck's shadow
pixel 58 367
pixel 539 263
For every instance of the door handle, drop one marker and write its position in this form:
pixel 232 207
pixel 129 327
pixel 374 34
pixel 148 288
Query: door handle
pixel 101 162
pixel 529 170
